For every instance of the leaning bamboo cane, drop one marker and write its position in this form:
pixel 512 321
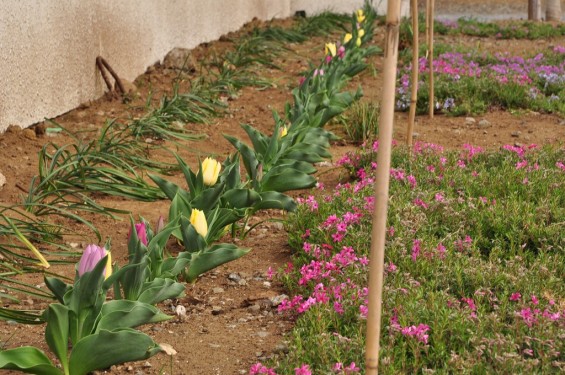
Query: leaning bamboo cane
pixel 431 56
pixel 381 189
pixel 414 77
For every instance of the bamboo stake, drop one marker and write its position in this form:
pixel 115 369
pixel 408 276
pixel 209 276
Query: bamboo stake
pixel 431 56
pixel 427 20
pixel 414 77
pixel 381 189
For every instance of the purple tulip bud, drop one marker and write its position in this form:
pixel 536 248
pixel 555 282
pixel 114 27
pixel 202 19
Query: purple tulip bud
pixel 90 258
pixel 141 232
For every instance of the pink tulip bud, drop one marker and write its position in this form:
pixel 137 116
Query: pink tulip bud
pixel 141 233
pixel 90 258
pixel 160 224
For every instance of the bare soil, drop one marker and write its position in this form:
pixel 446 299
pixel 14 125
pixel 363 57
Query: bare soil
pixel 230 323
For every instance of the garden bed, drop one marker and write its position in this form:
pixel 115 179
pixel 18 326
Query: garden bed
pixel 230 321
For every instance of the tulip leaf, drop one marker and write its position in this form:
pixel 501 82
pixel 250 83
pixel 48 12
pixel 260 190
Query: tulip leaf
pixel 160 289
pixel 212 257
pixel 27 359
pixel 240 198
pixel 282 179
pixel 57 332
pixel 247 154
pixel 117 314
pixel 209 198
pixel 167 187
pixel 58 287
pixel 104 349
pixel 275 200
pixel 173 266
pixel 258 139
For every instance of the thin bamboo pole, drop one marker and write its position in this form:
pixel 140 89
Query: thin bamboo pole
pixel 414 77
pixel 381 189
pixel 431 56
pixel 427 19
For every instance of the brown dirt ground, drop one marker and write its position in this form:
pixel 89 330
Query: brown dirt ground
pixel 247 328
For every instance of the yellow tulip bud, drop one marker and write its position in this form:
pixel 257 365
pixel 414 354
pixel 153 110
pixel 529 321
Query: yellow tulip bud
pixel 283 132
pixel 360 32
pixel 210 171
pixel 198 221
pixel 360 15
pixel 331 49
pixel 358 42
pixel 108 271
pixel 347 38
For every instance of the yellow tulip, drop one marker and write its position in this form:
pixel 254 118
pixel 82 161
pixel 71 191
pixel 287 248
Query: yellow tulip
pixel 210 171
pixel 360 15
pixel 347 38
pixel 198 221
pixel 360 32
pixel 358 42
pixel 331 49
pixel 283 132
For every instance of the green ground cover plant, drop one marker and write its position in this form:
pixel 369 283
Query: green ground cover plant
pixel 474 265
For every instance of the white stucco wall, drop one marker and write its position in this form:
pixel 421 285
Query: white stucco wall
pixel 48 47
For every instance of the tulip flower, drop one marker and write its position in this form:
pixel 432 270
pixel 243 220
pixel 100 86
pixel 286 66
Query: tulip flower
pixel 341 52
pixel 198 221
pixel 283 132
pixel 160 224
pixel 358 42
pixel 141 232
pixel 331 49
pixel 360 16
pixel 360 33
pixel 210 171
pixel 347 38
pixel 90 258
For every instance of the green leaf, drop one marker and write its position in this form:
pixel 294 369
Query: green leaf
pixel 166 187
pixel 58 287
pixel 57 332
pixel 117 314
pixel 27 359
pixel 240 198
pixel 159 290
pixel 216 255
pixel 105 348
pixel 247 154
pixel 283 179
pixel 275 200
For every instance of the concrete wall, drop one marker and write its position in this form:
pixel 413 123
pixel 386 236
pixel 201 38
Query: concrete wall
pixel 48 47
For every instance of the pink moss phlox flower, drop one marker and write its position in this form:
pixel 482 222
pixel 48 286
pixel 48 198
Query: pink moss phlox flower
pixel 535 299
pixel 441 250
pixel 419 332
pixel 439 197
pixel 471 306
pixel 529 316
pixel 363 311
pixel 390 267
pixel 515 297
pixel 270 273
pixel 260 369
pixel 416 248
pixel 303 370
pixel 472 151
pixel 419 202
pixel 560 165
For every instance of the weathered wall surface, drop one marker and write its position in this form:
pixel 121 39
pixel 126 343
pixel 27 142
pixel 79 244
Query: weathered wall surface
pixel 48 47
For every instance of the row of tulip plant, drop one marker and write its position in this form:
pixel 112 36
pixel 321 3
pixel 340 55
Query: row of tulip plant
pixel 102 333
